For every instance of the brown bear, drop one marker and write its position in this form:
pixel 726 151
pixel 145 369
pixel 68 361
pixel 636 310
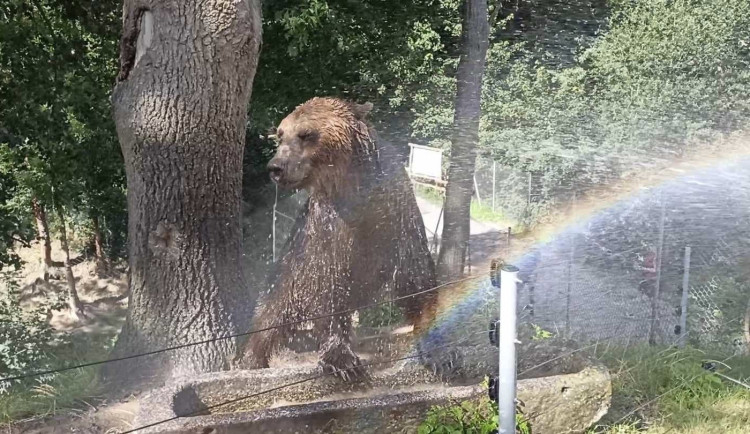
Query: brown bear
pixel 360 234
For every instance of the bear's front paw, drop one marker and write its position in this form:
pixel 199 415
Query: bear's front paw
pixel 338 359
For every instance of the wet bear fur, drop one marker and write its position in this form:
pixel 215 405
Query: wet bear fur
pixel 359 237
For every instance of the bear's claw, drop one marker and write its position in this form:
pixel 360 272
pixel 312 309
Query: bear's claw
pixel 338 359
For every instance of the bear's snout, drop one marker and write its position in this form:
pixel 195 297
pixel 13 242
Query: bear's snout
pixel 275 169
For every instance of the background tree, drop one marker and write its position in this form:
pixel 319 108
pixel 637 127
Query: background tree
pixel 464 139
pixel 180 106
pixel 59 123
pixel 13 229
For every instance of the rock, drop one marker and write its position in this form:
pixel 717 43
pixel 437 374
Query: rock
pixel 396 400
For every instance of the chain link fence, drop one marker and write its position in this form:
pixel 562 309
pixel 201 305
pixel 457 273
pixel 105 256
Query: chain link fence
pixel 511 193
pixel 586 284
pixel 717 315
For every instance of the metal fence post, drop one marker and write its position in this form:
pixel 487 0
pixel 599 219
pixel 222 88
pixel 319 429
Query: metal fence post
pixel 528 199
pixel 507 240
pixel 494 169
pixel 569 284
pixel 507 345
pixel 532 284
pixel 685 292
pixel 657 286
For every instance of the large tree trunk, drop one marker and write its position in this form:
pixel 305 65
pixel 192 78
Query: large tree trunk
pixel 474 44
pixel 74 303
pixel 180 105
pixel 42 228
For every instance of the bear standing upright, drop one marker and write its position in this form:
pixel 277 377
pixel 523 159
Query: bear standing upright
pixel 360 234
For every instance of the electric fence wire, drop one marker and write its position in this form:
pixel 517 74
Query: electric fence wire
pixel 662 355
pixel 304 380
pixel 233 335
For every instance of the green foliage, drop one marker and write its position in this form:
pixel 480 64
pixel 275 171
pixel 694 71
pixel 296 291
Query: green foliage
pixel 57 64
pixel 65 391
pixel 715 317
pixel 661 78
pixel 26 338
pixel 668 390
pixel 28 343
pixel 75 389
pixel 483 212
pixel 381 316
pixel 478 416
pixel 468 417
pixel 375 50
pixel 13 228
pixel 681 67
pixel 540 333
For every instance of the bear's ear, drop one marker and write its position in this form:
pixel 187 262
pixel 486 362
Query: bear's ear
pixel 361 110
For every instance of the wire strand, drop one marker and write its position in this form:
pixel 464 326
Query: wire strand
pixel 231 336
pixel 294 383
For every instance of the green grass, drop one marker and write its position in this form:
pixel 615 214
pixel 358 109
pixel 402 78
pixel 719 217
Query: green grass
pixel 481 213
pixel 67 391
pixel 479 416
pixel 75 389
pixel 657 390
pixel 484 213
pixel 429 194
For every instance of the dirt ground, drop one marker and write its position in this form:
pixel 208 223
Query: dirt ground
pixel 104 297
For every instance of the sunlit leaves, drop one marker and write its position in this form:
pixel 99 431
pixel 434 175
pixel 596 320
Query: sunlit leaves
pixel 58 61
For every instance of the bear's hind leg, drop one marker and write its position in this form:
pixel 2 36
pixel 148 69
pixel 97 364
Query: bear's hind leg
pixel 420 310
pixel 259 349
pixel 260 345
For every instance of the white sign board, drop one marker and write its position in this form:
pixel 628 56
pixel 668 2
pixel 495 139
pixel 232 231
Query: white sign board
pixel 426 161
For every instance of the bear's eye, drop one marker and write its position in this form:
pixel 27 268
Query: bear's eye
pixel 307 135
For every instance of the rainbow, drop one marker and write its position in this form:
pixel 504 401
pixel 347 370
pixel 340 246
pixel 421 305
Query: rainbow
pixel 460 309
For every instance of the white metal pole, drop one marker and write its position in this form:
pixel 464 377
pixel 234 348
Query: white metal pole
pixel 685 292
pixel 506 389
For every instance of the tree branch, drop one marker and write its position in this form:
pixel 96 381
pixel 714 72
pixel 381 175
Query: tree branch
pixel 44 18
pixel 20 241
pixel 495 14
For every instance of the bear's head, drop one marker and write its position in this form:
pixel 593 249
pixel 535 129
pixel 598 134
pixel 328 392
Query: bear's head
pixel 324 146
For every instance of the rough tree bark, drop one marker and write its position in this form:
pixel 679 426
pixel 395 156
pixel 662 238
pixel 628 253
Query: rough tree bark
pixel 180 102
pixel 42 228
pixel 74 302
pixel 474 44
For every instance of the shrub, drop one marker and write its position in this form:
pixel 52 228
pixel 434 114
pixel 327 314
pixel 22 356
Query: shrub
pixel 26 338
pixel 469 417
